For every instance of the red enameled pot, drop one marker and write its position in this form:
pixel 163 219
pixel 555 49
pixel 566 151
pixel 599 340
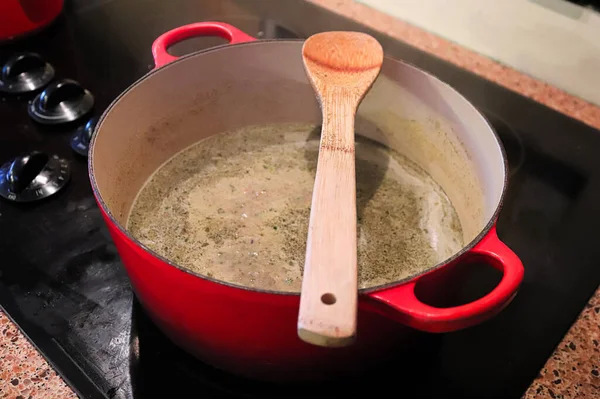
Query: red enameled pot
pixel 252 332
pixel 21 17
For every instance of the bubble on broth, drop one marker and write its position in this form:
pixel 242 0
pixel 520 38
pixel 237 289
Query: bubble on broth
pixel 236 206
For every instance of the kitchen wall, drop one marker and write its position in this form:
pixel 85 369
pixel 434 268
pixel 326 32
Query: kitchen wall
pixel 552 40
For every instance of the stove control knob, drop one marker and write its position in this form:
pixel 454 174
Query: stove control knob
pixel 80 142
pixel 24 73
pixel 62 101
pixel 32 177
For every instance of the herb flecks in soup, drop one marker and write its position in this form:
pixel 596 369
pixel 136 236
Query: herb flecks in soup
pixel 236 206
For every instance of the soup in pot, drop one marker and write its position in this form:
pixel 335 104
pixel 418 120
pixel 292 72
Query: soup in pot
pixel 235 207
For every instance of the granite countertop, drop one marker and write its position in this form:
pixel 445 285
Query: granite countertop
pixel 573 371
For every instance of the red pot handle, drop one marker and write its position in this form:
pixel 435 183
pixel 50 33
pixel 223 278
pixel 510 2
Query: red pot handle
pixel 409 310
pixel 167 39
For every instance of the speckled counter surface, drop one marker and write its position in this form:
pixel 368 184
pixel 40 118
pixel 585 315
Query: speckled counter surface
pixel 573 371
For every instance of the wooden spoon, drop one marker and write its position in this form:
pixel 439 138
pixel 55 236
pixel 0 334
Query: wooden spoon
pixel 341 67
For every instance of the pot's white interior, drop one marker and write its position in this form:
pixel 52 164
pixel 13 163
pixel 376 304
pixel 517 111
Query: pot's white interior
pixel 263 83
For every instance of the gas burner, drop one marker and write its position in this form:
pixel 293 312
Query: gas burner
pixel 80 141
pixel 33 177
pixel 24 73
pixel 61 102
pixel 512 142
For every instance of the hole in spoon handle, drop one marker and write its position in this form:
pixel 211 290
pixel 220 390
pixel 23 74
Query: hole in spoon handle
pixel 328 298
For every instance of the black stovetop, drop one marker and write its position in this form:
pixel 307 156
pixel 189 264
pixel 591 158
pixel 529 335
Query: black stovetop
pixel 61 280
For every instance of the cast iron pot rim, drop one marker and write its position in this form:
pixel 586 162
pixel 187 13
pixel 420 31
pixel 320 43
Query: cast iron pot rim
pixel 491 222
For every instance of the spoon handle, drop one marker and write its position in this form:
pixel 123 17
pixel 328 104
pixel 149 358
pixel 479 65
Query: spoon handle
pixel 327 314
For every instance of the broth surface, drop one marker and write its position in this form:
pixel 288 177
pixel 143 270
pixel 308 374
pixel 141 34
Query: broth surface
pixel 236 207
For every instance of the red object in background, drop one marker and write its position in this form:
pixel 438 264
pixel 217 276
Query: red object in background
pixel 19 17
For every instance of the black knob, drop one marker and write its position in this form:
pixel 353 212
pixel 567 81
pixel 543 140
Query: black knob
pixel 62 101
pixel 21 64
pixel 88 130
pixel 33 176
pixel 24 169
pixel 25 72
pixel 64 91
pixel 80 141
